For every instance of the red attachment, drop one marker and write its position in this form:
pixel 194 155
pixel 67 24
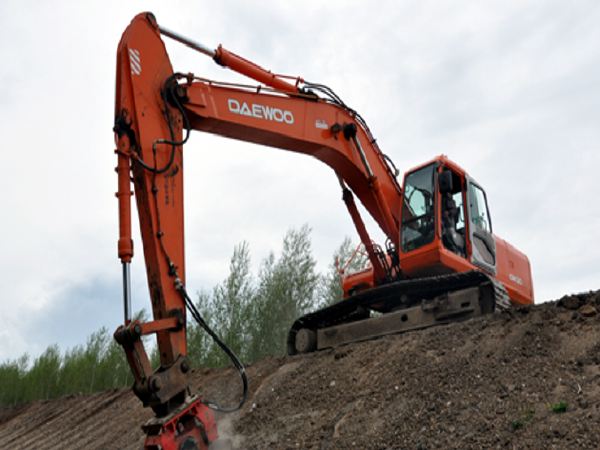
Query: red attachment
pixel 195 423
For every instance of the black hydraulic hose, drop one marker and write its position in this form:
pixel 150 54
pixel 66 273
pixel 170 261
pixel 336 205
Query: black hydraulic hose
pixel 169 86
pixel 196 315
pixel 332 97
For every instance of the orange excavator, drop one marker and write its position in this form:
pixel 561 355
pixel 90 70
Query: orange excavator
pixel 440 263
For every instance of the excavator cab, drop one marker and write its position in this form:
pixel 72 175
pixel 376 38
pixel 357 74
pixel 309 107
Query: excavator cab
pixel 446 229
pixel 445 222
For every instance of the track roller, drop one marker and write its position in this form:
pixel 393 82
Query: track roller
pixel 306 340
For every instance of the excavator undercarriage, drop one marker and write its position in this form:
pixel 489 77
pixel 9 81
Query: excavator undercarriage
pixel 406 305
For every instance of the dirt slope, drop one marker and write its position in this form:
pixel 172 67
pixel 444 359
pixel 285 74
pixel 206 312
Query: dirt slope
pixel 465 385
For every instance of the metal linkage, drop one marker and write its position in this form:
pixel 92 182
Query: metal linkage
pixel 350 130
pixel 190 43
pixel 127 293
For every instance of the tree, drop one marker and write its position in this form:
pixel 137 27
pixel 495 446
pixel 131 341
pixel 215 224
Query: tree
pixel 41 380
pixel 347 258
pixel 73 371
pixel 199 343
pixel 11 381
pixel 226 313
pixel 115 371
pixel 232 300
pixel 286 290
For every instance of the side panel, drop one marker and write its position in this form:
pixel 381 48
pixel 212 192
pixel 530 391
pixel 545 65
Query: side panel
pixel 514 272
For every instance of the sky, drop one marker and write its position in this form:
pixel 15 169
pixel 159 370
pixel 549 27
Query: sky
pixel 508 89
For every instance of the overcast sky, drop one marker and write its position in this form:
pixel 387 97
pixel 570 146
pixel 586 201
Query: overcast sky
pixel 508 89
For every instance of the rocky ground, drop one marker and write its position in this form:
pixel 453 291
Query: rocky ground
pixel 497 382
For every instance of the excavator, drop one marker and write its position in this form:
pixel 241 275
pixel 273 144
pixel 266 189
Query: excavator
pixel 440 263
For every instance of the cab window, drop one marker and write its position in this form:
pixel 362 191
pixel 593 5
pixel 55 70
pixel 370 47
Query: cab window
pixel 453 216
pixel 418 217
pixel 479 211
pixel 484 244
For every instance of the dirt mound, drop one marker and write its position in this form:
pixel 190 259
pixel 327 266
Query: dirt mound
pixel 499 382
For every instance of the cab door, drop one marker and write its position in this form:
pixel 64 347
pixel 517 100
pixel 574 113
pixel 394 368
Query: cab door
pixel 483 244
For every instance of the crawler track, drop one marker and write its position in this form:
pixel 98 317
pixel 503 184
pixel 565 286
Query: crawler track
pixel 398 296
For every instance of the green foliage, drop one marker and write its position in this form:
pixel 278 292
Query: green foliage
pixel 226 313
pixel 199 344
pixel 11 384
pixel 516 424
pixel 42 379
pixel 251 315
pixel 346 259
pixel 559 407
pixel 231 301
pixel 519 414
pixel 99 365
pixel 287 289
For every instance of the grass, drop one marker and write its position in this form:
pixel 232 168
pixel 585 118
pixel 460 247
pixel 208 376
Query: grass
pixel 520 415
pixel 559 407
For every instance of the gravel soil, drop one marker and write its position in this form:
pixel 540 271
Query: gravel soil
pixel 527 378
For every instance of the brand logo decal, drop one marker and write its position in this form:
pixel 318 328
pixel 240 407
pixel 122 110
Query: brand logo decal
pixel 515 279
pixel 260 111
pixel 135 62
